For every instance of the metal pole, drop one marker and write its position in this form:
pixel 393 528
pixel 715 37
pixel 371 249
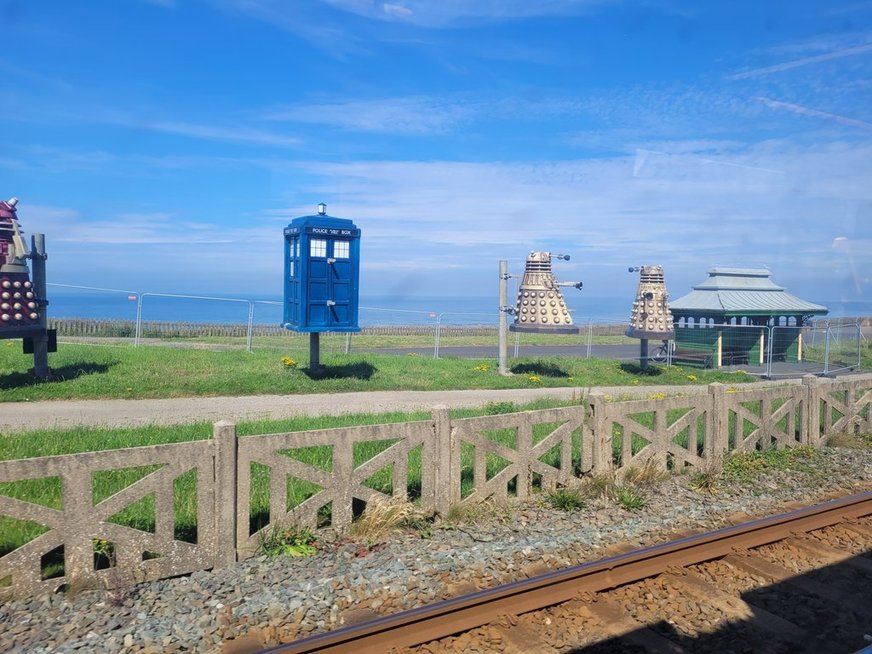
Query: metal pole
pixel 643 353
pixel 517 343
pixel 40 343
pixel 348 343
pixel 138 335
pixel 504 323
pixel 436 340
pixel 314 351
pixel 250 325
pixel 827 354
pixel 589 337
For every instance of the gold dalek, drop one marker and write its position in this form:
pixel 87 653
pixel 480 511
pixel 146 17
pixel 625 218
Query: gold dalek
pixel 540 307
pixel 651 317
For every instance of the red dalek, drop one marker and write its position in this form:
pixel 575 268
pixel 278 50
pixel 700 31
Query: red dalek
pixel 22 298
pixel 19 306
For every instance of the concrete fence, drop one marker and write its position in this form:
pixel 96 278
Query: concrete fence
pixel 245 487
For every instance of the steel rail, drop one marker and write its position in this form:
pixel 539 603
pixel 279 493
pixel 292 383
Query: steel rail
pixel 441 619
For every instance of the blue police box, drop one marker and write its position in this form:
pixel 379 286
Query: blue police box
pixel 322 267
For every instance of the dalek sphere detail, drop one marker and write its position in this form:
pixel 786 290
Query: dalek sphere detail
pixel 651 317
pixel 18 305
pixel 540 307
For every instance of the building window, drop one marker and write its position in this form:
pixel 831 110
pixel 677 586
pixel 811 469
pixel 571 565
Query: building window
pixel 340 249
pixel 318 247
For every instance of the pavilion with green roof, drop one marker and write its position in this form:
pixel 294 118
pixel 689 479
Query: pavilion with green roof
pixel 726 319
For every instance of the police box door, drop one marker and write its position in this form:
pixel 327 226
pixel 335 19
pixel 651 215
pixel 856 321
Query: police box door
pixel 330 283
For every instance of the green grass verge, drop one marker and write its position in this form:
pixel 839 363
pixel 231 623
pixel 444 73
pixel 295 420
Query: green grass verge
pixel 89 372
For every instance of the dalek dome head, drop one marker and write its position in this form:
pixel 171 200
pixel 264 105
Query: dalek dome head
pixel 651 317
pixel 7 209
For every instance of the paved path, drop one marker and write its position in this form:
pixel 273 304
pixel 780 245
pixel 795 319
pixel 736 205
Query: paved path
pixel 19 416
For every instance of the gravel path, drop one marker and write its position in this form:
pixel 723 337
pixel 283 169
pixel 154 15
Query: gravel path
pixel 264 601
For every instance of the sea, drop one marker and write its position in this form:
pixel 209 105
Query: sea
pixel 75 302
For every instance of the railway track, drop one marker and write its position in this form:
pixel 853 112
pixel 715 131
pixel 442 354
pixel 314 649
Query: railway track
pixel 798 581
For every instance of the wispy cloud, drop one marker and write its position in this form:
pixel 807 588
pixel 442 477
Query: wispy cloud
pixel 409 115
pixel 815 113
pixel 446 13
pixel 212 132
pixel 804 61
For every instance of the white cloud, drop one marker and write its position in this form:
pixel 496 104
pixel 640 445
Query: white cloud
pixel 446 13
pixel 408 115
pixel 804 61
pixel 815 113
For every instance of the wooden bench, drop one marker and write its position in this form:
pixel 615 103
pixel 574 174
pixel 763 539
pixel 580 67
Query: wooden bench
pixel 693 357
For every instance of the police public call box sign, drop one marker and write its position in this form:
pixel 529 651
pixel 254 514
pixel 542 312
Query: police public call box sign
pixel 322 268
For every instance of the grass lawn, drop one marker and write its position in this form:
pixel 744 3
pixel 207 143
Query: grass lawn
pixel 102 372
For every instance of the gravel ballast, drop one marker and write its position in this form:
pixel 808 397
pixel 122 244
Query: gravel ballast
pixel 265 601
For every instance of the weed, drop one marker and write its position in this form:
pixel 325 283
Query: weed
pixel 704 481
pixel 478 514
pixel 599 486
pixel 292 541
pixel 419 525
pixel 850 441
pixel 630 499
pixel 745 466
pixel 381 518
pixel 566 499
pixel 496 408
pixel 646 476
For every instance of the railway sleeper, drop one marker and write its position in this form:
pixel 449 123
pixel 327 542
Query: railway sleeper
pixel 618 624
pixel 829 555
pixel 757 565
pixel 859 528
pixel 736 607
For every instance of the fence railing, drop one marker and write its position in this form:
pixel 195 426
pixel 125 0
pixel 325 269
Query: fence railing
pixel 825 346
pixel 242 489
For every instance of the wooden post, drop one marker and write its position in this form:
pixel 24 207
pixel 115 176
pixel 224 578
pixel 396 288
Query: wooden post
pixel 720 352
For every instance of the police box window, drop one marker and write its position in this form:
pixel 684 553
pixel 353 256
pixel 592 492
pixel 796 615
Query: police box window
pixel 340 249
pixel 318 247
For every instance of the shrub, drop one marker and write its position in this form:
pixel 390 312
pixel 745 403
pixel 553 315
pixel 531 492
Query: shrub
pixel 566 499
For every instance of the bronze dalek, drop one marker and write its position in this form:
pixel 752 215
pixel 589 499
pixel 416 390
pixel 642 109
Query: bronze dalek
pixel 540 307
pixel 651 317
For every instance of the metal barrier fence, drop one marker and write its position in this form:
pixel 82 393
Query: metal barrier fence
pixel 823 347
pixel 820 347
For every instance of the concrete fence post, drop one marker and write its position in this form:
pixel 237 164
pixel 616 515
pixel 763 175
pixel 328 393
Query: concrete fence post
pixel 811 427
pixel 445 465
pixel 717 438
pixel 601 434
pixel 78 512
pixel 225 471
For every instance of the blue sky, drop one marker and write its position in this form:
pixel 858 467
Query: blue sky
pixel 161 145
